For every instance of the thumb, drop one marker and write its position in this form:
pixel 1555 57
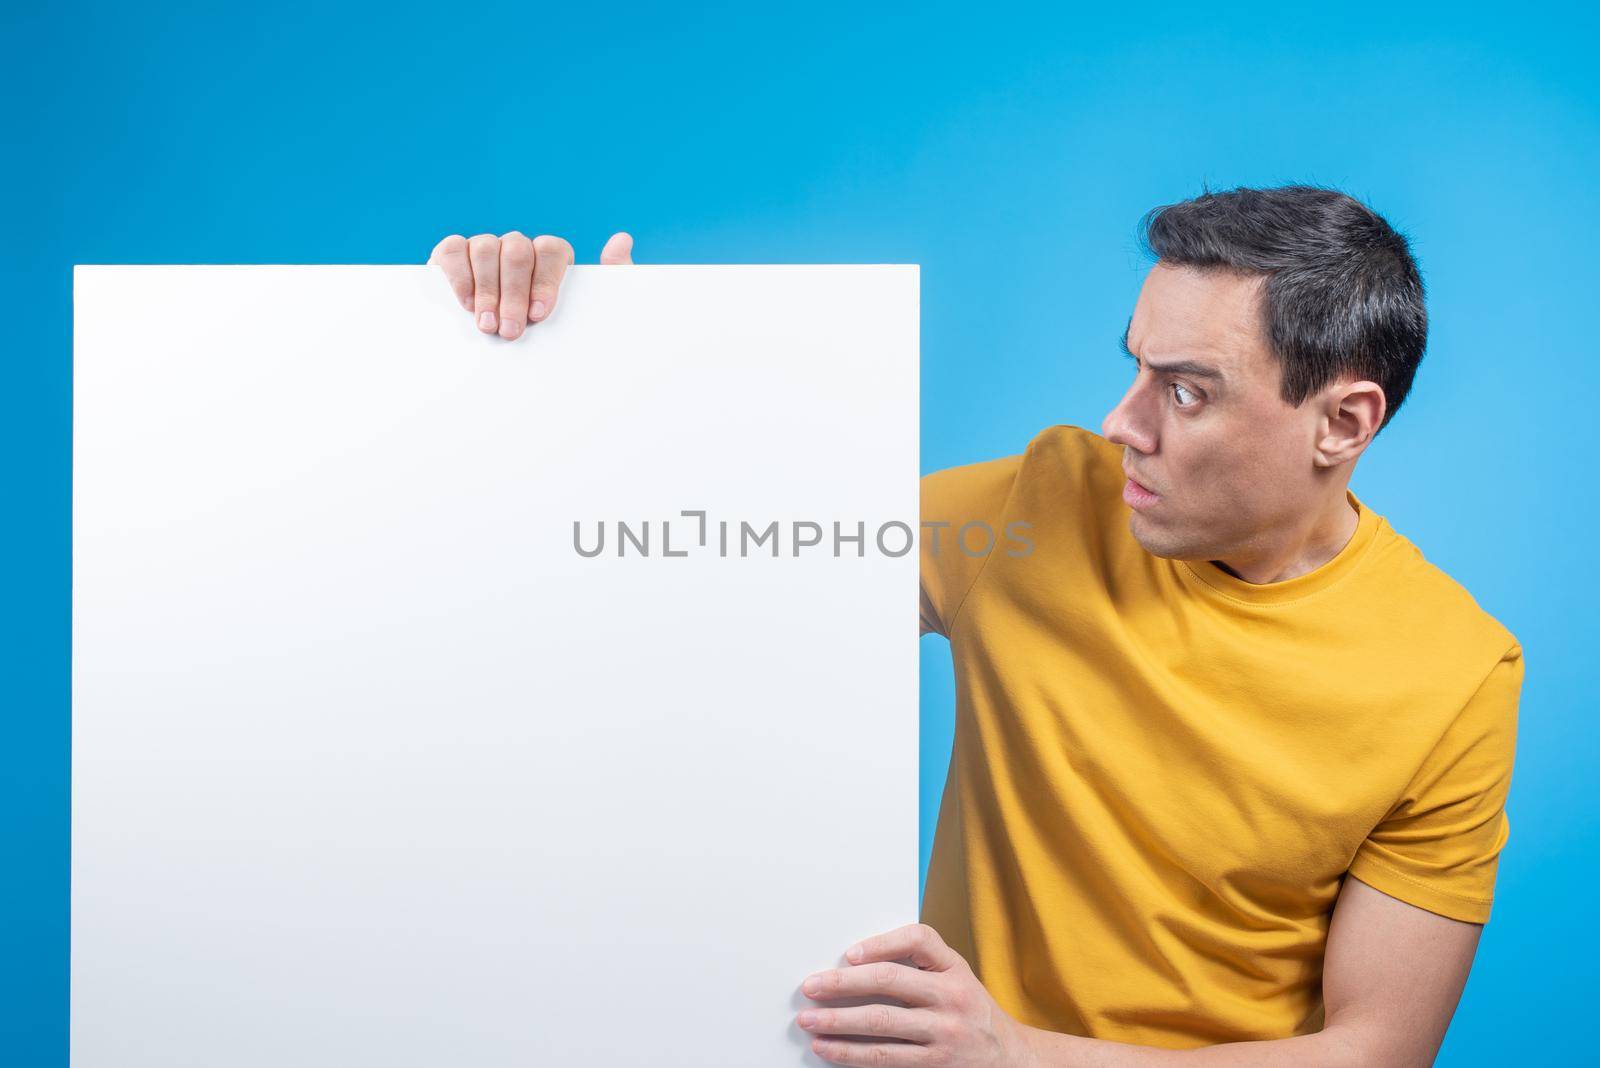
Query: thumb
pixel 618 250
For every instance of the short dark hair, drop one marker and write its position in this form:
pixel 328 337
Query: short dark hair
pixel 1343 293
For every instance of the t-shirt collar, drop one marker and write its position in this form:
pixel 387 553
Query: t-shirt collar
pixel 1212 580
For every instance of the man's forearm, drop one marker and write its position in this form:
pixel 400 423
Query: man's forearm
pixel 1329 1048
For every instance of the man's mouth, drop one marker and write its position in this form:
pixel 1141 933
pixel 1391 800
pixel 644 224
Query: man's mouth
pixel 1137 494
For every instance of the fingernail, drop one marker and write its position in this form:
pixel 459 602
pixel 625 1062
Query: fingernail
pixel 812 985
pixel 807 1019
pixel 486 320
pixel 509 329
pixel 537 311
pixel 854 953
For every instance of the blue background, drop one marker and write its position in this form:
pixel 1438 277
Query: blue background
pixel 1010 154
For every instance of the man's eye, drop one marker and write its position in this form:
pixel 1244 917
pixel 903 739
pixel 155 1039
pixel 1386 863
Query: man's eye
pixel 1183 395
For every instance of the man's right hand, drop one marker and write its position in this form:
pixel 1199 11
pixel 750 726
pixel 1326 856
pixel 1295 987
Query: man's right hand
pixel 509 281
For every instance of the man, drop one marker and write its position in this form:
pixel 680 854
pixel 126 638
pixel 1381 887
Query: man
pixel 1216 687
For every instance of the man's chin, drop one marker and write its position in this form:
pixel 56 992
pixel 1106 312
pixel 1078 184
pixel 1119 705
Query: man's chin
pixel 1157 541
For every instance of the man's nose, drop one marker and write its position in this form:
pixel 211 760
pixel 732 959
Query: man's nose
pixel 1127 425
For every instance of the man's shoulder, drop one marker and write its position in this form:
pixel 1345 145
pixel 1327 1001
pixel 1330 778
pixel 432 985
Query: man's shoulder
pixel 1045 491
pixel 1060 450
pixel 1423 595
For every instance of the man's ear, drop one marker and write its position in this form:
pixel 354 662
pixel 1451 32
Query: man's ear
pixel 1352 414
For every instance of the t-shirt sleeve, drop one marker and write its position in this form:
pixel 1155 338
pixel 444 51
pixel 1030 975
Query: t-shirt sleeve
pixel 1439 847
pixel 962 512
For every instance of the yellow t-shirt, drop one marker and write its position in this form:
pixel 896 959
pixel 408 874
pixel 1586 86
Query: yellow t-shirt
pixel 1162 773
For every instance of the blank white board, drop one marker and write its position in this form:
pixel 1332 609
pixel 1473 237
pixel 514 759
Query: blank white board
pixel 372 766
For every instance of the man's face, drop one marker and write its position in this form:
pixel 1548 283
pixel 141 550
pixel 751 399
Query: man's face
pixel 1227 462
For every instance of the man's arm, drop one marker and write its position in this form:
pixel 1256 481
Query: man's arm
pixel 1392 977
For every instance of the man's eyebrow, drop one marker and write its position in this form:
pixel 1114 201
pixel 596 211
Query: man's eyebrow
pixel 1180 367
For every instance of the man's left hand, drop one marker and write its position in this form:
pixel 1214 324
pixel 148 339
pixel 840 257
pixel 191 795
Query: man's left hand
pixel 948 1018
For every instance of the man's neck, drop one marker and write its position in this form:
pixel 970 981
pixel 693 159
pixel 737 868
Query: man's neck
pixel 1301 550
